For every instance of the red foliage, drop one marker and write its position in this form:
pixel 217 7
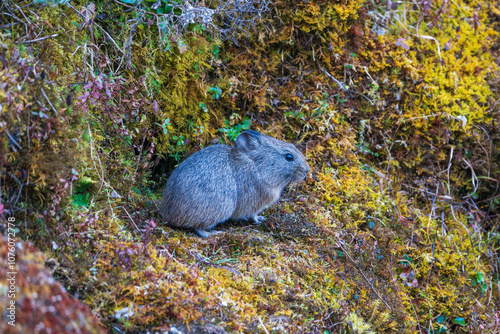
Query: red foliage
pixel 42 304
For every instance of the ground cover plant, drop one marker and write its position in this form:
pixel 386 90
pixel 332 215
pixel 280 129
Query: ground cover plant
pixel 394 104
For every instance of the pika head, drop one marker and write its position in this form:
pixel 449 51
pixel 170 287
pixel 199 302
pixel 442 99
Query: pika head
pixel 277 162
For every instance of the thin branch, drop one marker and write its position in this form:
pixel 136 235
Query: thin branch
pixel 12 140
pixel 201 259
pixel 104 31
pixel 132 220
pixel 38 39
pixel 364 276
pixel 341 84
pixel 50 103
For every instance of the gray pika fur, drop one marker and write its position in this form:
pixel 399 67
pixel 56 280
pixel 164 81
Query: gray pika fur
pixel 222 182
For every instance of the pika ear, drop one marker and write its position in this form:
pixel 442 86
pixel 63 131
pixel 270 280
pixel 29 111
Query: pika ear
pixel 248 141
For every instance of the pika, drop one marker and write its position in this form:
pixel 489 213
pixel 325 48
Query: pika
pixel 222 182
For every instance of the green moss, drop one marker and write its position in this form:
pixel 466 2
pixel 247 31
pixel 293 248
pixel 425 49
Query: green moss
pixel 386 234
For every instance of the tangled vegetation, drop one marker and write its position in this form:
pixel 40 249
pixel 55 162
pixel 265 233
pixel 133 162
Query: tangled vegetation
pixel 395 105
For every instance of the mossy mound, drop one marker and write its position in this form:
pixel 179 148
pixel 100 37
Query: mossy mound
pixel 393 104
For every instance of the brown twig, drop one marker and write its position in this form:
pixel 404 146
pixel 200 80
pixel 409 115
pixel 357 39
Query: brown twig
pixel 364 276
pixel 95 24
pixel 132 220
pixel 199 258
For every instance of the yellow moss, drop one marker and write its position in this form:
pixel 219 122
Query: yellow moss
pixel 366 237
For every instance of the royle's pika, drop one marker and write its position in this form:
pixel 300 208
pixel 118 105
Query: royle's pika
pixel 222 182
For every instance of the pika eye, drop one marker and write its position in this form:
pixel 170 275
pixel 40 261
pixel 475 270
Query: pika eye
pixel 289 157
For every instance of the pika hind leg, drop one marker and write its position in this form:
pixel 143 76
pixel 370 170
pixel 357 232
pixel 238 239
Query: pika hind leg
pixel 207 231
pixel 205 234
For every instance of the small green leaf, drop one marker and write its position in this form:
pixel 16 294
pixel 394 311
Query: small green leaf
pixel 80 200
pixel 440 319
pixel 85 136
pixel 245 125
pixel 215 91
pixel 215 51
pixel 459 321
